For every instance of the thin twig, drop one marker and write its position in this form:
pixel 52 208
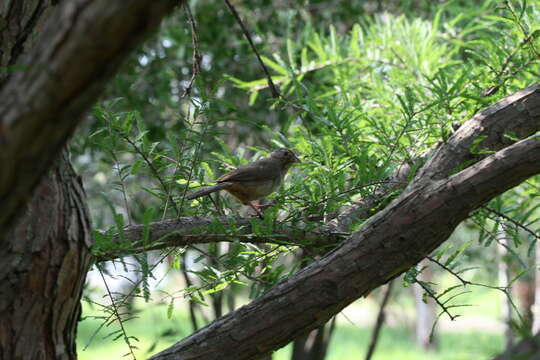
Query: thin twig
pixel 456 275
pixel 124 298
pixel 216 259
pixel 383 182
pixel 194 159
pixel 503 289
pixel 117 314
pixel 171 184
pixel 516 223
pixel 303 72
pixel 526 35
pixel 436 299
pixel 154 171
pixel 192 304
pixel 218 209
pixel 119 174
pixel 196 66
pixel 273 88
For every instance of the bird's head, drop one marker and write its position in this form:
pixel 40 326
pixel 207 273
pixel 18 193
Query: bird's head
pixel 285 156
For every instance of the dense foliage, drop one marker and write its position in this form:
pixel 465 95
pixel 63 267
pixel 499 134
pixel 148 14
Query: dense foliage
pixel 365 88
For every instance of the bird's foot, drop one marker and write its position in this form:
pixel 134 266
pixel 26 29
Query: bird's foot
pixel 259 209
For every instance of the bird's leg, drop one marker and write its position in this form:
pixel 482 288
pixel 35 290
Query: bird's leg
pixel 256 208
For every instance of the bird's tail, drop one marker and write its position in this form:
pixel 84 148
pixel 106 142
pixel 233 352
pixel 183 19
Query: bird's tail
pixel 208 190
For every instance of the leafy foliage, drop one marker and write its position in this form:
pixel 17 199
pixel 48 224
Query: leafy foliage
pixel 360 97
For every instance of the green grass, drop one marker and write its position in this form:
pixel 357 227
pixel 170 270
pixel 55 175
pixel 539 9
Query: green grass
pixel 152 331
pixel 351 342
pixel 348 343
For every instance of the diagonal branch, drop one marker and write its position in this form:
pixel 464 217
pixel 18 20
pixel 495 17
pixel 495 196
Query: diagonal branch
pixel 514 222
pixel 392 241
pixel 273 88
pixel 185 231
pixel 521 116
pixel 515 116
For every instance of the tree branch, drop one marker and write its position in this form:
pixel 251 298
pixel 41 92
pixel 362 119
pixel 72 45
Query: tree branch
pixel 518 114
pixel 273 88
pixel 514 222
pixel 79 50
pixel 392 241
pixel 185 231
pixel 515 116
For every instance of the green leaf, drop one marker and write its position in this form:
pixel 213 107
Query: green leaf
pixel 275 66
pixel 170 308
pixel 458 252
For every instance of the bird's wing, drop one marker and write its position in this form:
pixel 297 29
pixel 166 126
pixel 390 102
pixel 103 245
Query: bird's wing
pixel 261 170
pixel 207 190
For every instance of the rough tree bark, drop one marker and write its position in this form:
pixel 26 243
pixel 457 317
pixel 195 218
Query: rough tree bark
pixel 42 271
pixel 54 61
pixel 389 243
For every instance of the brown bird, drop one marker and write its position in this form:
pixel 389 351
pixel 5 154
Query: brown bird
pixel 254 181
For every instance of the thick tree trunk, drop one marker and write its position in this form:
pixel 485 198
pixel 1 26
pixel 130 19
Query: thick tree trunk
pixel 43 265
pixel 45 256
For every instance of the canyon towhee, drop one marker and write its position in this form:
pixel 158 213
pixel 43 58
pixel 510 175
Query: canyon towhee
pixel 254 181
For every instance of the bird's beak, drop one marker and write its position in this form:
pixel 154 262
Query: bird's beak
pixel 296 159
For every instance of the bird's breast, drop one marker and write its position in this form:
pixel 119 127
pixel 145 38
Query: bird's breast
pixel 253 190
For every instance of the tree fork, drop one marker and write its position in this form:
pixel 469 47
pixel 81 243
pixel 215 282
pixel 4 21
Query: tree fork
pixel 391 242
